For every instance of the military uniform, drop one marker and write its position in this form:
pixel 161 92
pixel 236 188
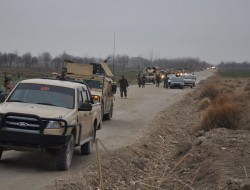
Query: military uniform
pixel 123 86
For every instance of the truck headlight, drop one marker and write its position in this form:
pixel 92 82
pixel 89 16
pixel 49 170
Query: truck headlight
pixel 55 125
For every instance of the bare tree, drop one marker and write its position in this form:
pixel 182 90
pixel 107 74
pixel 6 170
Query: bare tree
pixel 27 60
pixel 57 62
pixel 34 61
pixel 45 58
pixel 11 58
pixel 122 60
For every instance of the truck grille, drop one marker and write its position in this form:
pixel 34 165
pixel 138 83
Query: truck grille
pixel 21 124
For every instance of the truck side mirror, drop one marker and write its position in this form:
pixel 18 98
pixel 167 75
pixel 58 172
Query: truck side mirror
pixel 114 87
pixel 85 106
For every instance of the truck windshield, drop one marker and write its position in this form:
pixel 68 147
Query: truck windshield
pixel 94 84
pixel 43 94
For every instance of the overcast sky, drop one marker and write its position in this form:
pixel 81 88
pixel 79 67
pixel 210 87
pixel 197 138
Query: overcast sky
pixel 211 30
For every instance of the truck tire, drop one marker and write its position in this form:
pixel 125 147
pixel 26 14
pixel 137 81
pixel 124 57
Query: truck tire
pixel 87 148
pixel 109 115
pixel 102 112
pixel 64 155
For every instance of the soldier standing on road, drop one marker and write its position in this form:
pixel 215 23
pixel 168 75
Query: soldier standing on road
pixel 166 82
pixel 139 80
pixel 157 79
pixel 123 86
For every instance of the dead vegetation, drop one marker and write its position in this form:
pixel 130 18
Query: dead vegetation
pixel 202 143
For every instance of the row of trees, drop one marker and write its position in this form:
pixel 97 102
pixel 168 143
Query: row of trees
pixel 44 60
pixel 120 62
pixel 234 66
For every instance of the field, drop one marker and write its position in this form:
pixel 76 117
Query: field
pixel 235 74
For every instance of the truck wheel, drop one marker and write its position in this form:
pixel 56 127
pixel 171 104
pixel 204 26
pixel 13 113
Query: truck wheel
pixel 102 112
pixel 109 115
pixel 64 155
pixel 87 148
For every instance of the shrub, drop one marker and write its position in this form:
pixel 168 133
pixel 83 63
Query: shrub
pixel 204 103
pixel 247 88
pixel 211 91
pixel 222 114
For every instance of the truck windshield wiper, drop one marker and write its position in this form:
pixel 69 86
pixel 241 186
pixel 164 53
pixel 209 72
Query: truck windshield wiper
pixel 49 104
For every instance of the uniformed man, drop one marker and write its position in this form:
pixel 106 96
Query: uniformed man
pixel 123 86
pixel 139 80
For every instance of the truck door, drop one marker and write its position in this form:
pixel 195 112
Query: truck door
pixel 85 117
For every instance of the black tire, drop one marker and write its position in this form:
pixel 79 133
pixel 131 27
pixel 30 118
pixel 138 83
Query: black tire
pixel 102 108
pixel 64 155
pixel 109 115
pixel 87 148
pixel 1 151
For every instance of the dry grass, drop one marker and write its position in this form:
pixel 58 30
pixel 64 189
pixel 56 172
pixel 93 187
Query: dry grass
pixel 210 90
pixel 204 103
pixel 223 113
pixel 222 104
pixel 247 88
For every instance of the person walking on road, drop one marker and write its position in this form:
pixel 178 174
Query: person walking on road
pixel 123 86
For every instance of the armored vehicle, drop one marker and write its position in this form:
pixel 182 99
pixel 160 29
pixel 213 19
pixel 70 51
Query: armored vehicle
pixel 99 78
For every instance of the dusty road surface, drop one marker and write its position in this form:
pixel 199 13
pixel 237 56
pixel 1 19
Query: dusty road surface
pixel 131 120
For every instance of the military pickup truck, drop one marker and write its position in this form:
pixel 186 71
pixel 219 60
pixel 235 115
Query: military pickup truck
pixel 54 115
pixel 99 78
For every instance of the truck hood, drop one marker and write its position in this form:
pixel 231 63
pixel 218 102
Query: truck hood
pixel 96 92
pixel 42 111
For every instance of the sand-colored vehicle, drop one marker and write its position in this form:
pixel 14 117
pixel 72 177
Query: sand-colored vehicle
pixel 49 114
pixel 99 78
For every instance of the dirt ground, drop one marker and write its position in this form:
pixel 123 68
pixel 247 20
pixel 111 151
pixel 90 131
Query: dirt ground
pixel 171 155
pixel 150 143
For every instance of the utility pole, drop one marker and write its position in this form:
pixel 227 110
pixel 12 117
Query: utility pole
pixel 114 56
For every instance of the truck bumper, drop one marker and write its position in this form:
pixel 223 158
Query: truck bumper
pixel 33 141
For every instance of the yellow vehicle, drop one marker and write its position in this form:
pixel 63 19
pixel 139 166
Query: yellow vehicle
pixel 98 76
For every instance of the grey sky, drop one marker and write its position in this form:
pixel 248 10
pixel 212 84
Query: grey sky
pixel 211 30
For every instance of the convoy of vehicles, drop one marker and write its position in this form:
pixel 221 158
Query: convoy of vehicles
pixel 59 113
pixel 188 79
pixel 55 115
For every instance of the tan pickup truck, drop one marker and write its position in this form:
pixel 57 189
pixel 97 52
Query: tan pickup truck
pixel 55 115
pixel 98 76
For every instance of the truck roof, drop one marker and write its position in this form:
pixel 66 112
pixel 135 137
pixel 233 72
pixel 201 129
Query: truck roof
pixel 55 82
